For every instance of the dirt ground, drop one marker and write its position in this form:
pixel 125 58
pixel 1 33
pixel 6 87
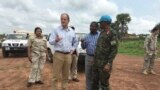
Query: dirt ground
pixel 126 75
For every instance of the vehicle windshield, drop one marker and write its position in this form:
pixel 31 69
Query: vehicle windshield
pixel 17 36
pixel 80 36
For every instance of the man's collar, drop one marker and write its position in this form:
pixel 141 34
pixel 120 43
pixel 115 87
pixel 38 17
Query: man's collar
pixel 94 33
pixel 66 29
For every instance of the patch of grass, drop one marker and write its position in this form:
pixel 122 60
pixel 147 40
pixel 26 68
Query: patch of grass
pixel 133 47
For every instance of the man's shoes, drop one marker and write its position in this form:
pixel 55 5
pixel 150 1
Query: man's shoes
pixel 29 84
pixel 75 79
pixel 145 72
pixel 153 72
pixel 39 82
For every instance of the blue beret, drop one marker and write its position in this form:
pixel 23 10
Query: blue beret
pixel 105 18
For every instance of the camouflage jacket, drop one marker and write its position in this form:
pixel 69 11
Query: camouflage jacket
pixel 150 44
pixel 106 49
pixel 37 45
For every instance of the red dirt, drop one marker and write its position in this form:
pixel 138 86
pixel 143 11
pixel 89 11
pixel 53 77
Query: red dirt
pixel 126 75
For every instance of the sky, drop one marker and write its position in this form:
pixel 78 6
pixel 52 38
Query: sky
pixel 28 14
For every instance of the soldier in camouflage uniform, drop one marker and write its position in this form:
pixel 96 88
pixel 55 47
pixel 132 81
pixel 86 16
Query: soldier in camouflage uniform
pixel 105 53
pixel 37 50
pixel 150 46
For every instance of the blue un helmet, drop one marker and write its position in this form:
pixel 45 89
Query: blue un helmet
pixel 105 18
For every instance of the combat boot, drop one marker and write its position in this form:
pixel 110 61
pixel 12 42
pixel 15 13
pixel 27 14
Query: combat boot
pixel 152 72
pixel 145 72
pixel 29 84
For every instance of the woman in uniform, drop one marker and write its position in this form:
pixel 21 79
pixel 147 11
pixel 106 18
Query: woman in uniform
pixel 37 52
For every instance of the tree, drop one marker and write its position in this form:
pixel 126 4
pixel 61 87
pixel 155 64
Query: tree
pixel 120 25
pixel 123 18
pixel 158 26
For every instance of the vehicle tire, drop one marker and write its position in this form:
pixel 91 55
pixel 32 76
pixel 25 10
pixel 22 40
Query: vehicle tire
pixel 81 62
pixel 5 54
pixel 50 56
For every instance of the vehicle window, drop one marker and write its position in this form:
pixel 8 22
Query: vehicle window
pixel 80 36
pixel 17 36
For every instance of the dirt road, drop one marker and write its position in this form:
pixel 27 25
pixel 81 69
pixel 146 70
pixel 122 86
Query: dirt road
pixel 126 75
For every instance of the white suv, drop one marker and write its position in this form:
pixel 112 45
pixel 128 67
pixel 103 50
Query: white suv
pixel 14 43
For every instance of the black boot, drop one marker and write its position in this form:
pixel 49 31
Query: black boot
pixel 29 84
pixel 39 82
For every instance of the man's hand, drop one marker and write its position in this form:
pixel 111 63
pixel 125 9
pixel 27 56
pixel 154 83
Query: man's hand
pixel 149 53
pixel 107 67
pixel 71 52
pixel 58 38
pixel 30 59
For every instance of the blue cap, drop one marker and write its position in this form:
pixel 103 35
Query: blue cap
pixel 105 18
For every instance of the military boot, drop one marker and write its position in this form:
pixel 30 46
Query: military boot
pixel 145 72
pixel 152 72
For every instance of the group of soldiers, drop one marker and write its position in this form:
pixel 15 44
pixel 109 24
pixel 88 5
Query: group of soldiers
pixel 101 45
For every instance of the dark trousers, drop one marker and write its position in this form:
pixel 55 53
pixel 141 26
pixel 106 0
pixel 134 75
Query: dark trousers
pixel 100 79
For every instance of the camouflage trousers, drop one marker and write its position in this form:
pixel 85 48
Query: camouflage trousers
pixel 100 79
pixel 38 61
pixel 149 61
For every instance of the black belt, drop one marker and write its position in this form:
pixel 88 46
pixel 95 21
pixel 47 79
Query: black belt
pixel 90 54
pixel 63 52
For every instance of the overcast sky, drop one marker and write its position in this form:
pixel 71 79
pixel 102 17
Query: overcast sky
pixel 27 14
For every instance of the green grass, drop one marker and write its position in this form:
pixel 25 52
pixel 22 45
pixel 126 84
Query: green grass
pixel 133 47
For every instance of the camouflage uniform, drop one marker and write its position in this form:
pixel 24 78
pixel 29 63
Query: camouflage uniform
pixel 150 46
pixel 38 55
pixel 106 50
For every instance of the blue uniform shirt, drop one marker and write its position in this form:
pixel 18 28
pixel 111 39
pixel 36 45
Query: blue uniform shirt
pixel 90 42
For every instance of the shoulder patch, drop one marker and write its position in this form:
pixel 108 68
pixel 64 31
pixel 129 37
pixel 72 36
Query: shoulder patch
pixel 113 42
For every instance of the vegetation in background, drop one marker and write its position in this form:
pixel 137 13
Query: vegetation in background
pixel 120 25
pixel 134 47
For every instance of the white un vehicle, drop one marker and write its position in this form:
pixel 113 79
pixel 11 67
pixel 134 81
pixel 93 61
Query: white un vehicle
pixel 14 43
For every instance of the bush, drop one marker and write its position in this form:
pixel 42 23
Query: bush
pixel 131 47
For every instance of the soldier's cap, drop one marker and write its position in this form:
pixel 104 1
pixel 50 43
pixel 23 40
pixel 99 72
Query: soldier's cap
pixel 105 18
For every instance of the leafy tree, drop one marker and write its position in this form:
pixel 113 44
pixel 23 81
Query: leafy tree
pixel 123 18
pixel 120 25
pixel 158 26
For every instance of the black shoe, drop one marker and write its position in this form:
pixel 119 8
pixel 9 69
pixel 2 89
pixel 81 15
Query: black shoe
pixel 75 79
pixel 39 82
pixel 29 84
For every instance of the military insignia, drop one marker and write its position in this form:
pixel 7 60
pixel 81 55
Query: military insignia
pixel 113 42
